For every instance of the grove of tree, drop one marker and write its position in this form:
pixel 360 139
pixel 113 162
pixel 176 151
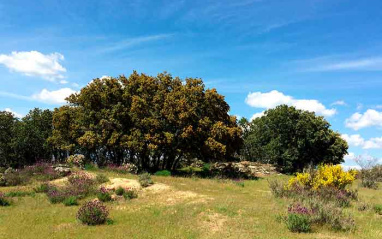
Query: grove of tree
pixel 156 122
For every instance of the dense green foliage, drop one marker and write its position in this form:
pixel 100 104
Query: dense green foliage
pixel 291 139
pixel 153 122
pixel 24 141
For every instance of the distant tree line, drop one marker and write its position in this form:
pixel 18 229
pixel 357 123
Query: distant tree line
pixel 157 122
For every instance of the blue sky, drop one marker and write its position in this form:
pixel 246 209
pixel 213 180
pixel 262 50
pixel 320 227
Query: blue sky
pixel 319 55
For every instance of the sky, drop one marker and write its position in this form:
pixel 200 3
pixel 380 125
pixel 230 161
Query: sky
pixel 323 56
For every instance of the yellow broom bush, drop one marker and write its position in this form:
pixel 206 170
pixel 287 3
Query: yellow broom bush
pixel 325 176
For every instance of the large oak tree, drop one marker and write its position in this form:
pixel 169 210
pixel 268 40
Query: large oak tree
pixel 153 122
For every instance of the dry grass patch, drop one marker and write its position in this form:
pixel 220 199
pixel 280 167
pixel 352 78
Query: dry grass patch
pixel 123 183
pixel 212 222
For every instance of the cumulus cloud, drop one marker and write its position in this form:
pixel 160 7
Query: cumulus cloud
pixel 274 98
pixel 369 118
pixel 53 97
pixel 358 141
pixel 34 63
pixel 13 112
pixel 257 115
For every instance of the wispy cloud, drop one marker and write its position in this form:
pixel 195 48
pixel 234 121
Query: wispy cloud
pixel 131 42
pixel 334 63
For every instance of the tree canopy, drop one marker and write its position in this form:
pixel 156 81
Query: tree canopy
pixel 153 122
pixel 24 141
pixel 291 139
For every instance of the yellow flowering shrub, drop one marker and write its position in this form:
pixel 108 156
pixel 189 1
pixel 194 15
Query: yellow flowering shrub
pixel 324 176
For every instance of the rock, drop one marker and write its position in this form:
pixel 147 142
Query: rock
pixel 244 169
pixel 9 170
pixel 63 171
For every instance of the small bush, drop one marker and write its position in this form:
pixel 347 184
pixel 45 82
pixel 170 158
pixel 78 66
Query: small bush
pixel 77 160
pixel 101 178
pixel 70 201
pixel 328 213
pixel 363 206
pixel 298 223
pixel 42 188
pixel 80 185
pixel 278 189
pixel 325 176
pixel 145 180
pixel 90 167
pixel 378 209
pixel 93 213
pixel 124 168
pixel 15 179
pixel 56 196
pixel 119 191
pixel 130 194
pixel 164 173
pixel 4 201
pixel 103 195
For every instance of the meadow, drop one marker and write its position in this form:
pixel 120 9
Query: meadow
pixel 178 207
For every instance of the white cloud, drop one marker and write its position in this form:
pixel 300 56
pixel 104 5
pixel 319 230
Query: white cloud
pixel 34 63
pixel 338 102
pixel 53 97
pixel 274 98
pixel 257 115
pixel 358 141
pixel 64 82
pixel 369 118
pixel 13 112
pixel 354 140
pixel 373 143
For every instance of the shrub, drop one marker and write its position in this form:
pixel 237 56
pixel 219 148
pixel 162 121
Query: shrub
pixel 101 178
pixel 90 167
pixel 70 201
pixel 145 180
pixel 77 160
pixel 124 168
pixel 103 195
pixel 81 184
pixel 278 189
pixel 328 213
pixel 4 201
pixel 369 178
pixel 378 209
pixel 165 173
pixel 363 206
pixel 298 222
pixel 130 194
pixel 15 179
pixel 42 188
pixel 93 213
pixel 120 191
pixel 56 196
pixel 41 171
pixel 325 176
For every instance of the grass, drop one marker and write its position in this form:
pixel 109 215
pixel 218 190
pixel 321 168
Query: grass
pixel 192 208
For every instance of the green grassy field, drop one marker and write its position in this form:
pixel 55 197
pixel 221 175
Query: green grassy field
pixel 178 208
